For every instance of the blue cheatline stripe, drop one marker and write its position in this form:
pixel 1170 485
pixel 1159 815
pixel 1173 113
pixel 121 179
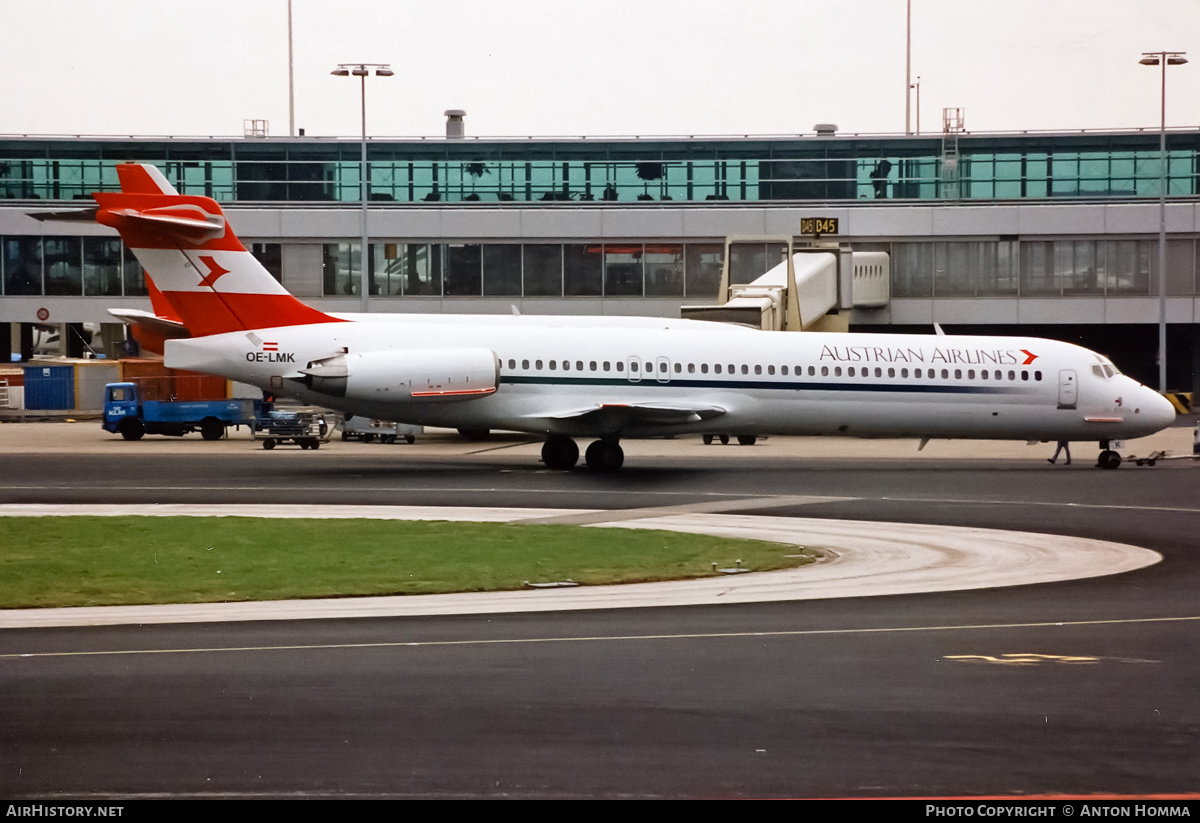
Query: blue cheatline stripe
pixel 761 385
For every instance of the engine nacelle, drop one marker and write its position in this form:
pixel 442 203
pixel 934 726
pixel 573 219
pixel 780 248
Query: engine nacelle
pixel 406 376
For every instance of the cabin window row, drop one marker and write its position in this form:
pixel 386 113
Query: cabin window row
pixel 661 367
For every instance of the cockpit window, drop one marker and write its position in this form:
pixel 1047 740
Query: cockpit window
pixel 1104 369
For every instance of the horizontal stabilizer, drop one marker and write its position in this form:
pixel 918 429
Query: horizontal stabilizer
pixel 192 222
pixel 68 216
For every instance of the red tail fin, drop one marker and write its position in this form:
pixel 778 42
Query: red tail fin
pixel 207 276
pixel 161 305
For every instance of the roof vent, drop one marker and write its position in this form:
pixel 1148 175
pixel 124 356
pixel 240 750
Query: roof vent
pixel 455 130
pixel 825 129
pixel 255 128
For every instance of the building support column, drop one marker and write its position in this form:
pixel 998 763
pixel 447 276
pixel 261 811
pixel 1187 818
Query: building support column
pixel 26 343
pixel 1195 383
pixel 76 340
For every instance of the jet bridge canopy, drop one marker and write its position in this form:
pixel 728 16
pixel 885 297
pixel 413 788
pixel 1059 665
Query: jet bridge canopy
pixel 777 283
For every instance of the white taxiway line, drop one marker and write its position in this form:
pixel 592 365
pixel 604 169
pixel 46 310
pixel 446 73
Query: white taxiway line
pixel 863 559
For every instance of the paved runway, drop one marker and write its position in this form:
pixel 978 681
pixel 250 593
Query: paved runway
pixel 1078 686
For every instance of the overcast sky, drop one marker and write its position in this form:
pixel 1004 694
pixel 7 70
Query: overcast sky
pixel 591 67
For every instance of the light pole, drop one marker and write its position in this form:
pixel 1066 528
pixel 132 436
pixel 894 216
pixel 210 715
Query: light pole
pixel 291 79
pixel 361 70
pixel 917 86
pixel 908 68
pixel 1164 59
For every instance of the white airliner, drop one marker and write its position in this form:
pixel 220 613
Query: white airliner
pixel 604 378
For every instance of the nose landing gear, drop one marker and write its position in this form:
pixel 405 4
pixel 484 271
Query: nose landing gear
pixel 1108 458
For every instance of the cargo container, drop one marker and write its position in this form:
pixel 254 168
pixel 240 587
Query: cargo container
pixel 49 386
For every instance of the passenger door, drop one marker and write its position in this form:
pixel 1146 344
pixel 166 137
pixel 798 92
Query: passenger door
pixel 1068 389
pixel 633 369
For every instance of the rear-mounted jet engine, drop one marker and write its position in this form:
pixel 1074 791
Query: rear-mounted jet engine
pixel 404 376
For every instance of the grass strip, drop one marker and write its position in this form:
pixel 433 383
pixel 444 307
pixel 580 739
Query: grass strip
pixel 94 561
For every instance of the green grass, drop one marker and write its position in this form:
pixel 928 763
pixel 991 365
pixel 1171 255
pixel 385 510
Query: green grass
pixel 91 561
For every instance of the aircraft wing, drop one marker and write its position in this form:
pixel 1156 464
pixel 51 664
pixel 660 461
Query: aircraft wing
pixel 165 326
pixel 617 416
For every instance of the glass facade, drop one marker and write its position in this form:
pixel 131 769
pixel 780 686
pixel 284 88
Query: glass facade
pixel 528 270
pixel 984 268
pixel 103 267
pixel 86 266
pixel 1041 268
pixel 850 168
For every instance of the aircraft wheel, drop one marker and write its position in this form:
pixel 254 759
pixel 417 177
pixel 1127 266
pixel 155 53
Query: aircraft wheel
pixel 560 453
pixel 212 429
pixel 1109 459
pixel 746 439
pixel 708 439
pixel 604 456
pixel 132 429
pixel 268 444
pixel 724 439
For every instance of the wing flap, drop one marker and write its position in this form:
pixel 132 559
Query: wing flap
pixel 612 417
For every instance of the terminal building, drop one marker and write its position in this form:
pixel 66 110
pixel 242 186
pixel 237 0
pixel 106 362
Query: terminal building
pixel 1042 234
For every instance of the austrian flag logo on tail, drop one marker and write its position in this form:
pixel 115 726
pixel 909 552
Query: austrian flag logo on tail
pixel 270 346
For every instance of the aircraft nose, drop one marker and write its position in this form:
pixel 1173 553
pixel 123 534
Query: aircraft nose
pixel 1157 410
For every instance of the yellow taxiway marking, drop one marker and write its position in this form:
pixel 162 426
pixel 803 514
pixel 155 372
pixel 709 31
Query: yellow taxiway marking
pixel 633 637
pixel 1025 659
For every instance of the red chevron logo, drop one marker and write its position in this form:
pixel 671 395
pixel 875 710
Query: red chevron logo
pixel 1029 357
pixel 215 271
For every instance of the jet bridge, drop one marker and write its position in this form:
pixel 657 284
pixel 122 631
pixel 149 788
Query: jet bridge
pixel 804 286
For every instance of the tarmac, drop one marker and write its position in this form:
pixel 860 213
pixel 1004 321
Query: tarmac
pixel 71 434
pixel 859 558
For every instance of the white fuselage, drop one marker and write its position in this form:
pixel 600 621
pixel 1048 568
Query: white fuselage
pixel 863 385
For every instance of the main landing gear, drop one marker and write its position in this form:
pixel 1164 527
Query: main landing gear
pixel 560 454
pixel 604 456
